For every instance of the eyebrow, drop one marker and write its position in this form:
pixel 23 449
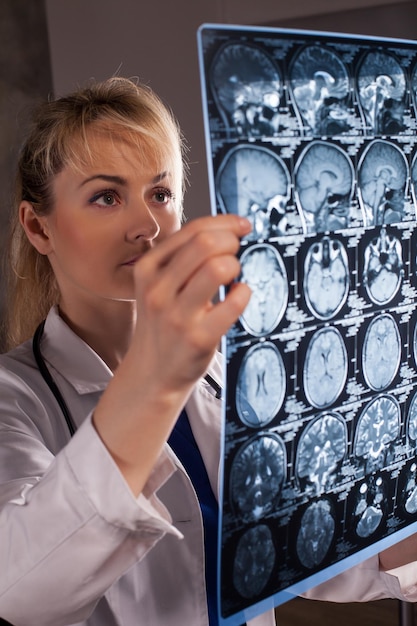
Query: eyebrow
pixel 119 180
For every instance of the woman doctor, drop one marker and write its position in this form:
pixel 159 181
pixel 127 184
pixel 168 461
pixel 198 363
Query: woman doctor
pixel 110 526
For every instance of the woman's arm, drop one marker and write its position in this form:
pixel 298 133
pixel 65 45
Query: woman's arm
pixel 400 554
pixel 178 329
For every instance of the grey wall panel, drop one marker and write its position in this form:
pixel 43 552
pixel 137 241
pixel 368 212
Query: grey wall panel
pixel 25 77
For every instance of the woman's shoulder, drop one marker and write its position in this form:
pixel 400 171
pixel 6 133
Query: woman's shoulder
pixel 17 361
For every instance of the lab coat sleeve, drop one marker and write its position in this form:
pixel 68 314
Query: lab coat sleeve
pixel 366 582
pixel 80 513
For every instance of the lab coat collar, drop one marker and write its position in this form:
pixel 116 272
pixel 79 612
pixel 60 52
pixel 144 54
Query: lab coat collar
pixel 64 350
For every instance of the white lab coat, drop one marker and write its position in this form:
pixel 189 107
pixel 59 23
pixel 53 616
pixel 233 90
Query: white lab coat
pixel 76 547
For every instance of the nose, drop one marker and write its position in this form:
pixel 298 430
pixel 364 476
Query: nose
pixel 142 223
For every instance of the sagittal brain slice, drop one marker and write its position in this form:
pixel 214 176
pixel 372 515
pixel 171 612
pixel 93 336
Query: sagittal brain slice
pixel 323 187
pixel 254 182
pixel 248 89
pixel 382 87
pixel 382 177
pixel 320 88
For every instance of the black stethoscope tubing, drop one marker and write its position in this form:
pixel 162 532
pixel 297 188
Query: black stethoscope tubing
pixel 46 375
pixel 36 346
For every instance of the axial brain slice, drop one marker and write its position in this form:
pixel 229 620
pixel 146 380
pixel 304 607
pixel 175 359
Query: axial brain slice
pixel 261 385
pixel 378 427
pixel 322 446
pixel 254 561
pixel 257 474
pixel 381 352
pixel 326 277
pixel 264 271
pixel 410 491
pixel 315 534
pixel 369 507
pixel 325 367
pixel 383 267
pixel 412 421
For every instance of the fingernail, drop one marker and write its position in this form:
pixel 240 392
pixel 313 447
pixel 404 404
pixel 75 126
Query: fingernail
pixel 245 224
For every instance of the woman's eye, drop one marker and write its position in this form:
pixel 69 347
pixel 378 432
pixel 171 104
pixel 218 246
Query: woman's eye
pixel 162 196
pixel 104 198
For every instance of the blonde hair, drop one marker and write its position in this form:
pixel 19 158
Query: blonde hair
pixel 58 139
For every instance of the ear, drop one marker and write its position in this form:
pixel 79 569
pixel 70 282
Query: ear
pixel 35 227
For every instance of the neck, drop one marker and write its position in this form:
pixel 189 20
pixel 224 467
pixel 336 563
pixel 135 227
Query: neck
pixel 107 329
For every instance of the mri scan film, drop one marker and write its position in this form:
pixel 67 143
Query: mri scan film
pixel 312 137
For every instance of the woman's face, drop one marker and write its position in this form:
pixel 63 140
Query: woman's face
pixel 106 215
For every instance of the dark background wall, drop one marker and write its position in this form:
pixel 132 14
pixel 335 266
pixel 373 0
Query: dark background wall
pixel 25 76
pixel 398 19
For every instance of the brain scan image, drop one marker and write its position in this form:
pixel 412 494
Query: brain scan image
pixel 325 367
pixel 415 343
pixel 326 277
pixel 323 187
pixel 409 494
pixel 381 89
pixel 377 429
pixel 247 89
pixel 381 352
pixel 383 267
pixel 257 474
pixel 320 88
pixel 369 509
pixel 413 84
pixel 261 385
pixel 412 422
pixel 382 182
pixel 321 449
pixel 316 534
pixel 413 169
pixel 254 561
pixel 255 183
pixel 264 271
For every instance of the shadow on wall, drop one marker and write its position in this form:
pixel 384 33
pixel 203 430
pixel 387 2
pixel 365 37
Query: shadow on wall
pixel 25 78
pixel 390 20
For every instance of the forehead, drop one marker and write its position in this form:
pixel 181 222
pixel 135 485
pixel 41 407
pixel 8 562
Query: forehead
pixel 116 149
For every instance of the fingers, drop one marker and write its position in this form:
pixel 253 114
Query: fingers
pixel 236 226
pixel 221 317
pixel 194 261
pixel 175 284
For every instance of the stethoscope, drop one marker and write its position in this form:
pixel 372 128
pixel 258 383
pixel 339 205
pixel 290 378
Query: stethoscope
pixel 46 375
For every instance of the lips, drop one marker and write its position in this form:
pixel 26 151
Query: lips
pixel 132 261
